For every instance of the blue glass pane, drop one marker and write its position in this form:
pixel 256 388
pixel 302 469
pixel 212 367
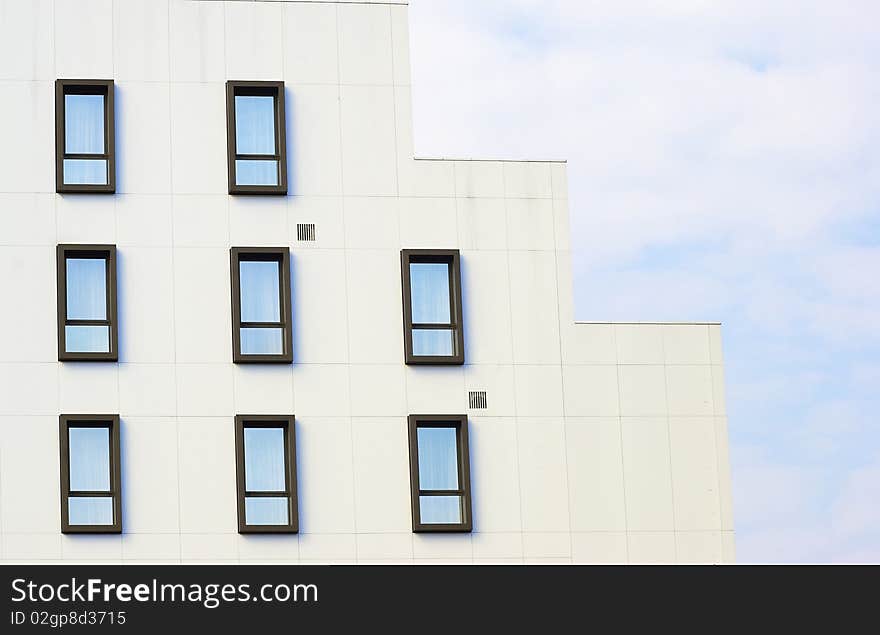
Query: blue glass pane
pixel 256 172
pixel 85 172
pixel 433 342
pixel 90 511
pixel 260 291
pixel 86 289
pixel 254 124
pixel 262 342
pixel 89 451
pixel 429 285
pixel 87 339
pixel 264 460
pixel 440 509
pixel 84 124
pixel 438 458
pixel 265 511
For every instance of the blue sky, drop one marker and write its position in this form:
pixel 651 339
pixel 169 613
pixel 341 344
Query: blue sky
pixel 724 164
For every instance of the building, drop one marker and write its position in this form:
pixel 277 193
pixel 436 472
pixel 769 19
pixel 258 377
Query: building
pixel 587 442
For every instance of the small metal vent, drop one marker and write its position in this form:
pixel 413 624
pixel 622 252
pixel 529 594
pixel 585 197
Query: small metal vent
pixel 305 232
pixel 477 400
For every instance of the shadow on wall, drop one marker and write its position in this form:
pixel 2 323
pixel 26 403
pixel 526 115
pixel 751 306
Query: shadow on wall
pixel 289 114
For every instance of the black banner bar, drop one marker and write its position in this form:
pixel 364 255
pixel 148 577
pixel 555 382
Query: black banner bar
pixel 285 599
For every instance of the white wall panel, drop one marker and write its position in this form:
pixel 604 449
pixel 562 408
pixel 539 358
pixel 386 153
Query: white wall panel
pixel 141 40
pixel 254 36
pixel 311 44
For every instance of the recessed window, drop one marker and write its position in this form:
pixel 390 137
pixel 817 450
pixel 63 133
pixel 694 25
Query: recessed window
pixel 91 499
pixel 261 323
pixel 257 154
pixel 440 480
pixel 432 321
pixel 265 451
pixel 84 136
pixel 87 303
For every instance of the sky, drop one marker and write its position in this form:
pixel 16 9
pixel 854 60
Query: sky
pixel 724 165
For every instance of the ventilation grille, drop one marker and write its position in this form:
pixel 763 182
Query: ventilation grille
pixel 305 232
pixel 477 400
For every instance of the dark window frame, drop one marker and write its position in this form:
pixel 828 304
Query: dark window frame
pixel 288 423
pixel 453 259
pixel 65 422
pixel 282 256
pixel 108 253
pixel 269 88
pixel 85 87
pixel 460 424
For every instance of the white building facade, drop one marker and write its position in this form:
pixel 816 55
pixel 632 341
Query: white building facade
pixel 588 442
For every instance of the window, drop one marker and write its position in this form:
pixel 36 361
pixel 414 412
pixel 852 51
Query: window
pixel 87 303
pixel 85 152
pixel 257 154
pixel 432 322
pixel 261 324
pixel 439 470
pixel 265 467
pixel 91 496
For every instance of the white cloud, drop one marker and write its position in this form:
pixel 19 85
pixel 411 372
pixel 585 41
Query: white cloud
pixel 739 139
pixel 856 514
